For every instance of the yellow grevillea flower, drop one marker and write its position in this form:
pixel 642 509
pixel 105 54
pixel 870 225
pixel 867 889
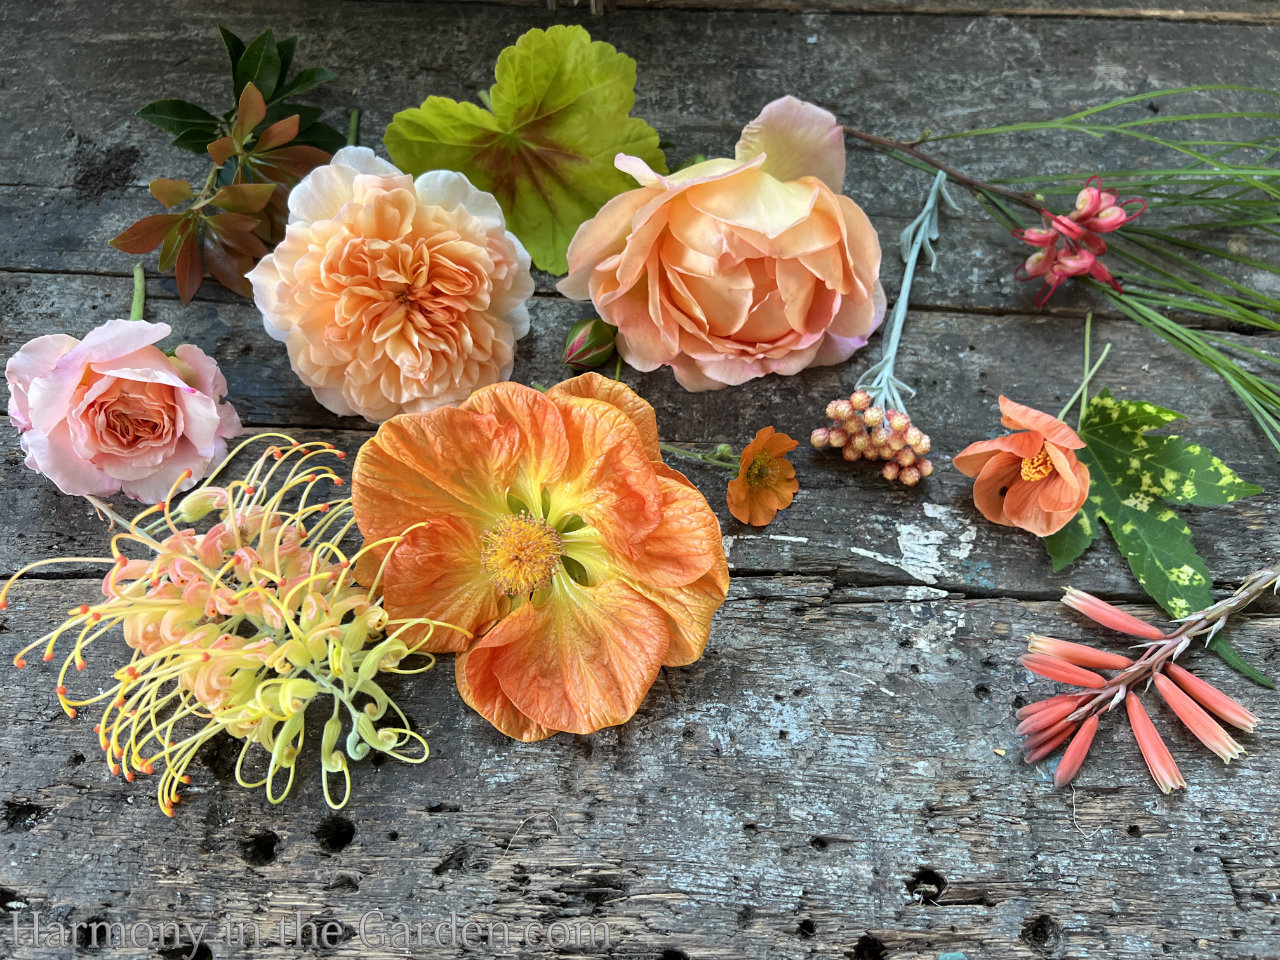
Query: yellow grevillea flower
pixel 239 628
pixel 548 528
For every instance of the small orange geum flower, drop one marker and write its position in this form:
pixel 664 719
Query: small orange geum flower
pixel 1029 479
pixel 573 562
pixel 766 481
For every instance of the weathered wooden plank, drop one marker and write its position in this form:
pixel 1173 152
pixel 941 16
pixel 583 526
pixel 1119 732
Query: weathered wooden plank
pixel 824 770
pixel 846 521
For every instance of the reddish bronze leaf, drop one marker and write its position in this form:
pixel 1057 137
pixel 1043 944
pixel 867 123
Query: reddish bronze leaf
pixel 243 197
pixel 228 266
pixel 222 149
pixel 147 234
pixel 170 192
pixel 251 111
pixel 277 135
pixel 189 268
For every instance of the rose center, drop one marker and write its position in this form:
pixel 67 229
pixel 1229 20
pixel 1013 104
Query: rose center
pixel 521 554
pixel 1037 467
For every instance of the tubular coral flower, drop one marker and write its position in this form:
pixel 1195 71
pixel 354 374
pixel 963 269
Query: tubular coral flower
pixel 1054 668
pixel 1074 756
pixel 766 481
pixel 1212 699
pixel 1159 761
pixel 1104 613
pixel 548 529
pixel 1205 728
pixel 1030 479
pixel 1078 653
pixel 239 629
pixel 392 294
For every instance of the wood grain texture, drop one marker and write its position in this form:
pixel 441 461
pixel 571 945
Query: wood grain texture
pixel 825 782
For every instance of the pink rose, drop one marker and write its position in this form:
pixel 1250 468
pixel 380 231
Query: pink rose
pixel 112 412
pixel 731 269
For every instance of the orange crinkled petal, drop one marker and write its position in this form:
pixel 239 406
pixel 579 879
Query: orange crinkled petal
pixel 1016 416
pixel 544 444
pixel 683 547
pixel 592 386
pixel 580 661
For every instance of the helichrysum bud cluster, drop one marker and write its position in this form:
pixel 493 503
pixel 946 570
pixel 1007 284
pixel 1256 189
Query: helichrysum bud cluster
pixel 862 431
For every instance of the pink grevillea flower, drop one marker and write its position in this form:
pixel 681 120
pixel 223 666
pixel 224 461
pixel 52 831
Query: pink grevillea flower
pixel 1097 211
pixel 1048 724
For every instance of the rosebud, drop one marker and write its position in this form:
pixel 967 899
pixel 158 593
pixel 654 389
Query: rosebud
pixel 589 344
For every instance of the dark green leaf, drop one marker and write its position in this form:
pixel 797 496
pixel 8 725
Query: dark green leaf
pixel 1232 658
pixel 323 136
pixel 278 111
pixel 177 116
pixel 234 45
pixel 304 81
pixel 260 65
pixel 195 139
pixel 1072 540
pixel 284 53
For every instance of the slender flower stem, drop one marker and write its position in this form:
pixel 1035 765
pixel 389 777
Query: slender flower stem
pixel 1082 391
pixel 879 379
pixel 721 457
pixel 353 129
pixel 977 186
pixel 139 292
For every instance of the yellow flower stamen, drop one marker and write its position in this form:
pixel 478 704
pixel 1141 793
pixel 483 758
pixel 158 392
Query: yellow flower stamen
pixel 521 554
pixel 1037 467
pixel 758 471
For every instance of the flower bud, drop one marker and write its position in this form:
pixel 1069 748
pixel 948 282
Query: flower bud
pixel 909 476
pixel 837 437
pixel 820 438
pixel 923 445
pixel 589 344
pixel 724 451
pixel 851 453
pixel 879 437
pixel 854 426
pixel 874 416
pixel 860 399
pixel 198 504
pixel 890 471
pixel 898 421
pixel 914 435
pixel 860 442
pixel 839 410
pixel 896 441
pixel 925 467
pixel 906 457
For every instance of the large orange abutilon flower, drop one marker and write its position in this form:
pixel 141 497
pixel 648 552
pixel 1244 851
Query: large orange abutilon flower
pixel 1030 479
pixel 546 528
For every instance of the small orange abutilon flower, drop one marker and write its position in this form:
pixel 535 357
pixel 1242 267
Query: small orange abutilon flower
pixel 766 481
pixel 1029 479
pixel 571 562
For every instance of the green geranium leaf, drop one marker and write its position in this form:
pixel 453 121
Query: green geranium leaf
pixel 1135 477
pixel 559 113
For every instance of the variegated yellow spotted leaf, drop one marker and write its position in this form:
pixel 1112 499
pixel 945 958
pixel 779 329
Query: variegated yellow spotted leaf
pixel 1135 478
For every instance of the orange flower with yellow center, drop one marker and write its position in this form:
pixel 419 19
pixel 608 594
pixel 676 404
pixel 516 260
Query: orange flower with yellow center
pixel 1030 479
pixel 766 481
pixel 571 560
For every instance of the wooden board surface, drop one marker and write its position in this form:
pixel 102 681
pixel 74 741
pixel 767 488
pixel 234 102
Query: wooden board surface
pixel 826 781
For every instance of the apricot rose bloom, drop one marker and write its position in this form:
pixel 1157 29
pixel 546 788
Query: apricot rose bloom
pixel 1029 479
pixel 573 562
pixel 732 269
pixel 394 295
pixel 113 412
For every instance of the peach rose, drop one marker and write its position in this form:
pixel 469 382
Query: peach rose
pixel 112 412
pixel 394 295
pixel 732 269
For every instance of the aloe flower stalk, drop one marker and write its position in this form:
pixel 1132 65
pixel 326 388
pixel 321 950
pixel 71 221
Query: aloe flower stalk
pixel 239 628
pixel 1047 724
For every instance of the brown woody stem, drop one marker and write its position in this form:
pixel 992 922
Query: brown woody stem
pixel 977 186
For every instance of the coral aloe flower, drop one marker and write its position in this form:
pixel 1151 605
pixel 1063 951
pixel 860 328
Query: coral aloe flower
pixel 546 528
pixel 1030 479
pixel 766 481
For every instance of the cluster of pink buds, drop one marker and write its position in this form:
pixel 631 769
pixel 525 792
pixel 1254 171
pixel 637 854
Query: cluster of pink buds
pixel 863 431
pixel 1046 725
pixel 1097 211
